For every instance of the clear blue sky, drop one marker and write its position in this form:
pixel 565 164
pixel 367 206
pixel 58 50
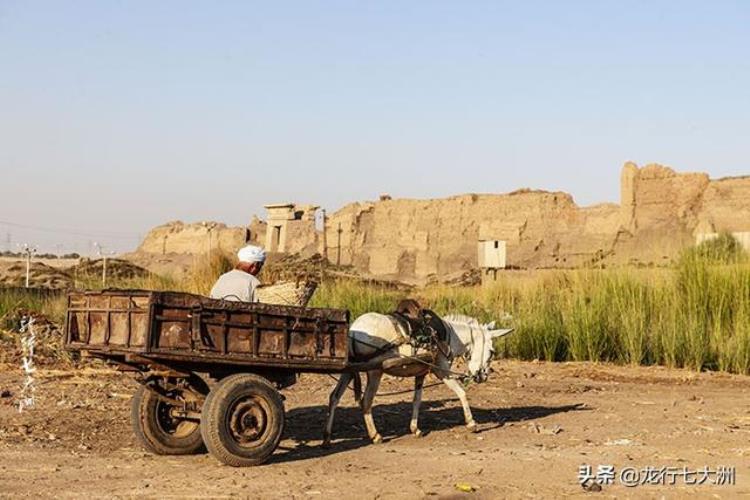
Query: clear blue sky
pixel 119 115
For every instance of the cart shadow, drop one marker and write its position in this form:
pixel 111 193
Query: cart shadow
pixel 305 426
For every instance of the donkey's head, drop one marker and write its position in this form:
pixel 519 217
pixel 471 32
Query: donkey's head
pixel 478 343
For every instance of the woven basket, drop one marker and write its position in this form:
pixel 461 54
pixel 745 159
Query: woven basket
pixel 288 293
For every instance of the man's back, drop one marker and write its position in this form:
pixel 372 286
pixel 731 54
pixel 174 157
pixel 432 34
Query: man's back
pixel 236 285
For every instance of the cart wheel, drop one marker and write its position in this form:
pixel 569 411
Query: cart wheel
pixel 242 420
pixel 158 430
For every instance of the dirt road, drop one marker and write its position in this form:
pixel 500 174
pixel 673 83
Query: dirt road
pixel 539 423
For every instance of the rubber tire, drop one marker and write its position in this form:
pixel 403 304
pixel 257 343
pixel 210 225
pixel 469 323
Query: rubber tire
pixel 215 420
pixel 143 416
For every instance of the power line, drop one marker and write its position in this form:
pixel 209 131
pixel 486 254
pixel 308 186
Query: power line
pixel 74 232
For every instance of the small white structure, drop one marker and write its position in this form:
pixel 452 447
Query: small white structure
pixel 742 237
pixel 492 254
pixel 492 258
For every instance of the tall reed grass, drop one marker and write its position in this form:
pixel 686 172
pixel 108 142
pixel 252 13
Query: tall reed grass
pixel 694 315
pixel 356 297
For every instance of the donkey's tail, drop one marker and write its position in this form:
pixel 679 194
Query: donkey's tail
pixel 357 388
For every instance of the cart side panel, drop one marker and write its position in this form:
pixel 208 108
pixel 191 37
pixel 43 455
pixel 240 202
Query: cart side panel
pixel 239 337
pixel 191 328
pixel 107 320
pixel 200 326
pixel 76 319
pixel 139 326
pixel 304 341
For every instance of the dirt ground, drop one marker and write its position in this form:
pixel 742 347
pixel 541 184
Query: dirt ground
pixel 539 423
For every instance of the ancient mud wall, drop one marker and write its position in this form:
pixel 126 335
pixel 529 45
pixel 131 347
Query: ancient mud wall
pixel 664 211
pixel 417 240
pixel 302 238
pixel 180 238
pixel 725 206
pixel 660 212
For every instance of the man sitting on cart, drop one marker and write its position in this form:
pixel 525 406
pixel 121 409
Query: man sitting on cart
pixel 240 283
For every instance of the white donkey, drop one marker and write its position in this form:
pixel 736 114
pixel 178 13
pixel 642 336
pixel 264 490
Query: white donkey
pixel 374 338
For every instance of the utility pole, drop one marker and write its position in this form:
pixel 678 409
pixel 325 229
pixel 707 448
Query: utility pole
pixel 338 245
pixel 75 272
pixel 28 251
pixel 209 242
pixel 325 236
pixel 103 255
pixel 209 227
pixel 8 241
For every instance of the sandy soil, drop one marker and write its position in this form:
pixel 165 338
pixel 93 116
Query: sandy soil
pixel 538 424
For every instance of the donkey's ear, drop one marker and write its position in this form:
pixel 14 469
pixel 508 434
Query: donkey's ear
pixel 495 334
pixel 490 325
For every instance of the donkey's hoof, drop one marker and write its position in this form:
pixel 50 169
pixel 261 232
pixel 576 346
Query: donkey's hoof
pixel 472 427
pixel 377 439
pixel 417 433
pixel 326 443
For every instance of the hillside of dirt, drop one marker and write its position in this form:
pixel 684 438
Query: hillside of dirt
pixel 117 269
pixel 41 275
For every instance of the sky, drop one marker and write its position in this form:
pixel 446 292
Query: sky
pixel 116 116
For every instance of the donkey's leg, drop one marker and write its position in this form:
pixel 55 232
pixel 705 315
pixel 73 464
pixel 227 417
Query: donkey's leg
pixel 357 389
pixel 333 401
pixel 418 385
pixel 456 387
pixel 373 382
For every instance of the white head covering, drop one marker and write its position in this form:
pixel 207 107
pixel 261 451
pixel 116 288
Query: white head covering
pixel 251 254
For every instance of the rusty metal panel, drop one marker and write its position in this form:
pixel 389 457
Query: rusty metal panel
pixel 340 341
pixel 271 343
pixel 173 335
pixel 138 329
pixel 119 302
pixel 98 327
pixel 77 328
pixel 119 328
pixel 239 340
pixel 108 319
pixel 98 301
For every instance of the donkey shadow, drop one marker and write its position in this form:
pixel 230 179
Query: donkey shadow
pixel 305 425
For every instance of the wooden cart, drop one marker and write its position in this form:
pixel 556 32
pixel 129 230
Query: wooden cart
pixel 210 370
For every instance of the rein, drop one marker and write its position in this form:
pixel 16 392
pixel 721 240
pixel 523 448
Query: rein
pixel 392 393
pixel 471 336
pixel 461 376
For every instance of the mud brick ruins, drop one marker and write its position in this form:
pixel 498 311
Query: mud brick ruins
pixel 660 212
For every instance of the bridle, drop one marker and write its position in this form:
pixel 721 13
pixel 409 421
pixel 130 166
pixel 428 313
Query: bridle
pixel 467 354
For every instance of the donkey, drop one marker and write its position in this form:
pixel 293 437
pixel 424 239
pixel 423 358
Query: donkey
pixel 376 338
